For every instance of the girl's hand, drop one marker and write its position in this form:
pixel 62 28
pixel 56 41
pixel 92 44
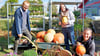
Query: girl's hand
pixel 78 43
pixel 59 23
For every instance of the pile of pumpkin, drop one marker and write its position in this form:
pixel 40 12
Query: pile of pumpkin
pixel 50 36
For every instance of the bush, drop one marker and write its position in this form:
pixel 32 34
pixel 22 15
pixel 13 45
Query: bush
pixel 79 25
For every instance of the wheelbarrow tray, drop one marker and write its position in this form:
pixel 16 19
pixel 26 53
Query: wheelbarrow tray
pixel 45 45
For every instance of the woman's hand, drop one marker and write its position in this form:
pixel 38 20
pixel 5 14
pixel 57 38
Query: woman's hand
pixel 65 23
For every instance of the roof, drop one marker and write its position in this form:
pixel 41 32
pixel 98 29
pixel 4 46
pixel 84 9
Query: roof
pixel 68 3
pixel 81 5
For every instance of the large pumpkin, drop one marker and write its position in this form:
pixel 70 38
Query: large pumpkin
pixel 58 38
pixel 39 40
pixel 51 31
pixel 64 20
pixel 38 35
pixel 80 49
pixel 48 37
pixel 41 34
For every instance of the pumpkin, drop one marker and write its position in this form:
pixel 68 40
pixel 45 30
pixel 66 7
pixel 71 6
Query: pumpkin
pixel 80 49
pixel 41 34
pixel 39 40
pixel 48 37
pixel 51 31
pixel 58 38
pixel 64 20
pixel 38 35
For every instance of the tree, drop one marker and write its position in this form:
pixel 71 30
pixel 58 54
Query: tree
pixel 11 8
pixel 3 9
pixel 3 12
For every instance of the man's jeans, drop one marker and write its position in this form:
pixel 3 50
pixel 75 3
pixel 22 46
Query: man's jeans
pixel 69 35
pixel 17 39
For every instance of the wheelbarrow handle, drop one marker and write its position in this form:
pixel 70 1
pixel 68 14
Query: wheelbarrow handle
pixel 31 42
pixel 33 34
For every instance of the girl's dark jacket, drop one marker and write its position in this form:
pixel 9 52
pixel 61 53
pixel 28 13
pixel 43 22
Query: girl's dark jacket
pixel 89 45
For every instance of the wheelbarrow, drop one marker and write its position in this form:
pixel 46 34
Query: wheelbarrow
pixel 53 49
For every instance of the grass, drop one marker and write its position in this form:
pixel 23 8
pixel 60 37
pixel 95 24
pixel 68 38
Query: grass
pixel 5 51
pixel 29 53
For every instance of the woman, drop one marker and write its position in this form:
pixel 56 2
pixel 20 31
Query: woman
pixel 67 20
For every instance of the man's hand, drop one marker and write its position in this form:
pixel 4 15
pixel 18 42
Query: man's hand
pixel 59 23
pixel 20 35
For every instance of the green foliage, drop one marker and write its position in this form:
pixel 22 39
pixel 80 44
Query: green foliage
pixel 11 10
pixel 46 54
pixel 37 23
pixel 46 24
pixel 29 53
pixel 3 24
pixel 36 9
pixel 79 25
pixel 3 42
pixel 14 1
pixel 55 23
pixel 36 1
pixel 76 13
pixel 54 10
pixel 3 10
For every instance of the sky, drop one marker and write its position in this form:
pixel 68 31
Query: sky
pixel 71 7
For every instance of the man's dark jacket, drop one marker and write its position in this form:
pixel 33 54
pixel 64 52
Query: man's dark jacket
pixel 17 25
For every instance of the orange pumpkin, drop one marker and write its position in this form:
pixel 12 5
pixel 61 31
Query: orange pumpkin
pixel 80 49
pixel 41 34
pixel 58 38
pixel 38 34
pixel 39 40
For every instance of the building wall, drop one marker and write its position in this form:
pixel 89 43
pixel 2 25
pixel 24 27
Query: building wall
pixel 92 8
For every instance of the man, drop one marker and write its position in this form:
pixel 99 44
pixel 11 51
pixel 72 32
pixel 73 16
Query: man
pixel 21 25
pixel 87 40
